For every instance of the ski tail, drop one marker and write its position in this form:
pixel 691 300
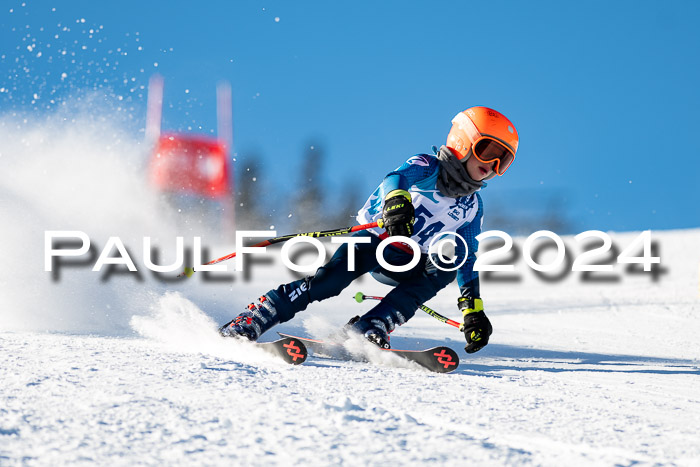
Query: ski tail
pixel 290 349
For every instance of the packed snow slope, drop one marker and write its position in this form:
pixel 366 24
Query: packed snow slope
pixel 123 369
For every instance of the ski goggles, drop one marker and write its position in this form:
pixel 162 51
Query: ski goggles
pixel 486 148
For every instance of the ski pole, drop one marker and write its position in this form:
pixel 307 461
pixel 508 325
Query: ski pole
pixel 325 233
pixel 360 297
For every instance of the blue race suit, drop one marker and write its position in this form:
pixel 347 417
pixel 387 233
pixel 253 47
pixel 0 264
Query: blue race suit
pixel 435 214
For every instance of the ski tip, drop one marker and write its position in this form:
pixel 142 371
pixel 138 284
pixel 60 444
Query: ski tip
pixel 445 360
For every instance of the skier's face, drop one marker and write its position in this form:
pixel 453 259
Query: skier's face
pixel 478 170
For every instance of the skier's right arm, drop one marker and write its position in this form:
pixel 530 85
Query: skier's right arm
pixel 398 213
pixel 397 210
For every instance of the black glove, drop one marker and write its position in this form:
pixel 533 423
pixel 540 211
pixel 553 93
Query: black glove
pixel 398 213
pixel 477 327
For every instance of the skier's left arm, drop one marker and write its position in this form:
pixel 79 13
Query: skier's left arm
pixel 477 327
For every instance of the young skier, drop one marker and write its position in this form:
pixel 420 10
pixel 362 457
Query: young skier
pixel 425 197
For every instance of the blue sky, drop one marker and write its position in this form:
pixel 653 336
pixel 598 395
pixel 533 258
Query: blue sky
pixel 604 94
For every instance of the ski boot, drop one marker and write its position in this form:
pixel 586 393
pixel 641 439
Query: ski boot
pixel 372 329
pixel 252 323
pixel 377 324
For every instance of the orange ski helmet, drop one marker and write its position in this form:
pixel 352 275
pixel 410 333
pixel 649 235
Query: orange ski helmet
pixel 487 134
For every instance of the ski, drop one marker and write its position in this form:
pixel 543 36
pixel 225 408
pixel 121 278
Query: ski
pixel 290 349
pixel 438 359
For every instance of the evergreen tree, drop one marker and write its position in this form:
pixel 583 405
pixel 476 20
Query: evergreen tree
pixel 308 206
pixel 250 203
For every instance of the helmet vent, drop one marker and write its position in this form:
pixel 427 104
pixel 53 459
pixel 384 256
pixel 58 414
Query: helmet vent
pixel 510 128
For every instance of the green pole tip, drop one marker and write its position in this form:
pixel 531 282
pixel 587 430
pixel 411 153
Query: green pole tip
pixel 189 272
pixel 359 297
